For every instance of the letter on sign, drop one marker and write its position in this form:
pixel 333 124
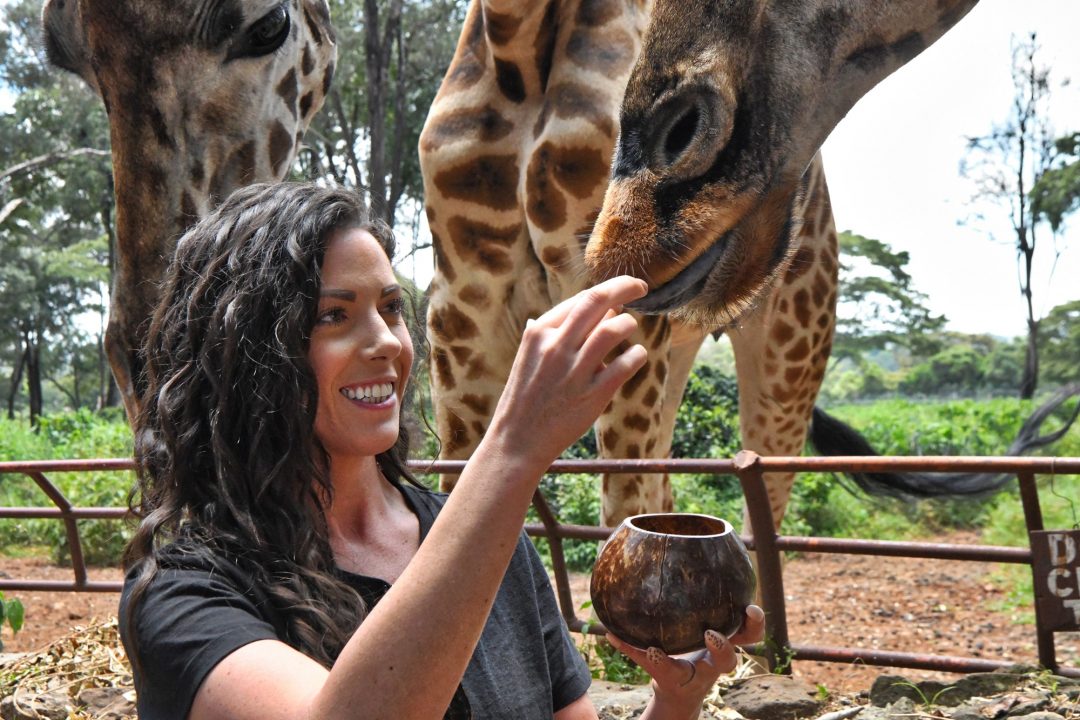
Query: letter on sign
pixel 1055 556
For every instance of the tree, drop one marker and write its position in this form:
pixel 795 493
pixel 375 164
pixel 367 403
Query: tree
pixel 1057 192
pixel 55 214
pixel 956 369
pixel 707 420
pixel 391 58
pixel 1006 165
pixel 1060 338
pixel 1004 365
pixel 878 304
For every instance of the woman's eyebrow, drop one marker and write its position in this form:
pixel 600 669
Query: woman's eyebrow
pixel 339 294
pixel 390 289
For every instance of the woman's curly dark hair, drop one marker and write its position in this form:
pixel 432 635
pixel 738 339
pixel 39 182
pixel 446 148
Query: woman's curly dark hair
pixel 227 459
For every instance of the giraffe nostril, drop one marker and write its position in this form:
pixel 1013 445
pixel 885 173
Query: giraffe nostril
pixel 680 135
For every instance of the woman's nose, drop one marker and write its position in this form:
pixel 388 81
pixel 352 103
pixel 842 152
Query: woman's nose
pixel 383 342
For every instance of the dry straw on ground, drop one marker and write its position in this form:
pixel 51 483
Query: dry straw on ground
pixel 87 657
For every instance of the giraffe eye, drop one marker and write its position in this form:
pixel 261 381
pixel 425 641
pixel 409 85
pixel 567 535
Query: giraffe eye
pixel 267 33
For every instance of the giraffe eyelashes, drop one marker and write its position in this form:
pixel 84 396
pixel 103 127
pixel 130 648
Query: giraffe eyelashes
pixel 265 35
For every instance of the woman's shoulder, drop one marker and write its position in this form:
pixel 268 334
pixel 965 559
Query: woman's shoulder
pixel 183 577
pixel 185 563
pixel 419 494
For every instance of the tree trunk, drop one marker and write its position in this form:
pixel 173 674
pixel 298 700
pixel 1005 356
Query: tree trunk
pixel 108 393
pixel 378 46
pixel 77 399
pixel 33 376
pixel 397 146
pixel 1030 381
pixel 72 397
pixel 16 379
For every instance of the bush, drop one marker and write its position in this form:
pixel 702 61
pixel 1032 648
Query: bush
pixel 75 435
pixel 905 427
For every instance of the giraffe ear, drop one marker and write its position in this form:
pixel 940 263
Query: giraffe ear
pixel 65 42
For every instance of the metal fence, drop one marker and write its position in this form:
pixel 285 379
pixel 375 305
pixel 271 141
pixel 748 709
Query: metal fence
pixel 750 469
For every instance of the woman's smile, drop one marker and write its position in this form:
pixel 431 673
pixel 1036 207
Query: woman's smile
pixel 376 395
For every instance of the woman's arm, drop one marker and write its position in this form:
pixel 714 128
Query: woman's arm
pixel 408 656
pixel 580 709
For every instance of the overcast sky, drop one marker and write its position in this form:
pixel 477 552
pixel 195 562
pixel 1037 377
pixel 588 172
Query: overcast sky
pixel 893 163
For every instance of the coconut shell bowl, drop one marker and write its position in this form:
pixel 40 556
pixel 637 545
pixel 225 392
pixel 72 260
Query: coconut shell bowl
pixel 663 579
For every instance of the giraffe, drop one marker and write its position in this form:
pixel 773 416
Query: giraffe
pixel 517 152
pixel 202 97
pixel 716 161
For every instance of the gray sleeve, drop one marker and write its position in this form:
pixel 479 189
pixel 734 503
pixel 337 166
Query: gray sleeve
pixel 570 677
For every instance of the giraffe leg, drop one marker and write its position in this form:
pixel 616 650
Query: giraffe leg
pixel 630 428
pixel 686 340
pixel 474 330
pixel 782 348
pixel 639 421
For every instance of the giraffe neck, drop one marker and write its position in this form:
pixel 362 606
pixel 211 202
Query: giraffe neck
pixel 203 98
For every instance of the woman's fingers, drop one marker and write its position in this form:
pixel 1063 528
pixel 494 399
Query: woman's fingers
pixel 697 671
pixel 596 301
pixel 560 381
pixel 579 315
pixel 638 655
pixel 607 335
pixel 721 653
pixel 620 369
pixel 753 627
pixel 694 675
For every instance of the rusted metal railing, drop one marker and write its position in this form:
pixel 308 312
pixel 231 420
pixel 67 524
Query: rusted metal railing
pixel 748 467
pixel 65 512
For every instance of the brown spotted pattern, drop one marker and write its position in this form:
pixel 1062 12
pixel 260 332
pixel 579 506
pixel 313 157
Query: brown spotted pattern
pixel 516 155
pixel 191 119
pixel 781 350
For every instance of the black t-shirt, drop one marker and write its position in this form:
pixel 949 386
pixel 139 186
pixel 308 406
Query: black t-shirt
pixel 524 666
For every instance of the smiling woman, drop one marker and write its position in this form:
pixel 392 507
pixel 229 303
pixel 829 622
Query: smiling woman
pixel 286 565
pixel 360 351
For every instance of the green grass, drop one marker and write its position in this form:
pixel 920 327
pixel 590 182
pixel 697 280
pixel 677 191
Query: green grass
pixel 79 435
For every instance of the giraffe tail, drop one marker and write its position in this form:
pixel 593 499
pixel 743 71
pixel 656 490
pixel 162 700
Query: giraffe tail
pixel 831 437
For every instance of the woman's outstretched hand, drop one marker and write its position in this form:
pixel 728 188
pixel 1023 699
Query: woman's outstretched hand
pixel 568 367
pixel 681 683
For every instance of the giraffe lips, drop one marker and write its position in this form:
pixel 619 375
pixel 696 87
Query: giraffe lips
pixel 684 287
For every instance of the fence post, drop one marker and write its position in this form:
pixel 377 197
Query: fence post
pixel 1029 496
pixel 71 528
pixel 770 574
pixel 558 558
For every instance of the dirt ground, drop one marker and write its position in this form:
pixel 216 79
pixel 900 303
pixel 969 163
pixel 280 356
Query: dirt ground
pixel 928 606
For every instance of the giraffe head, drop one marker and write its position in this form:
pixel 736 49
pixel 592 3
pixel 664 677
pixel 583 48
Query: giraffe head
pixel 724 110
pixel 203 96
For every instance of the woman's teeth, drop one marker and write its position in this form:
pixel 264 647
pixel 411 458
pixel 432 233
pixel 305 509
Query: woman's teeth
pixel 373 394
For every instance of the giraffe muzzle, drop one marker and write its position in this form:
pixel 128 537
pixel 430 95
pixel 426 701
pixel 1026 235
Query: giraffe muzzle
pixel 682 289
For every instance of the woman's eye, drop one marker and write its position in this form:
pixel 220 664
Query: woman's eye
pixel 395 307
pixel 330 317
